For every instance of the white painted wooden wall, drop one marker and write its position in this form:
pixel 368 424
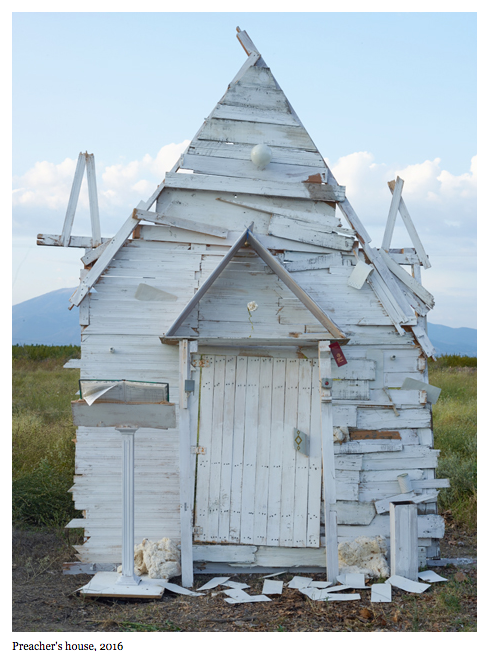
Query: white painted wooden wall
pixel 120 340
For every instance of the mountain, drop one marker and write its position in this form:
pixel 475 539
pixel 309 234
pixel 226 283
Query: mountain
pixel 453 341
pixel 47 320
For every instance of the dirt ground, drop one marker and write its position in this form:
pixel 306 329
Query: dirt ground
pixel 45 600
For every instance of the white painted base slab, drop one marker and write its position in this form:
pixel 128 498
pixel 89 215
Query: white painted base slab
pixel 104 584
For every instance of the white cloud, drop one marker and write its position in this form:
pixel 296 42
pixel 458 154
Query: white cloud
pixel 121 185
pixel 442 205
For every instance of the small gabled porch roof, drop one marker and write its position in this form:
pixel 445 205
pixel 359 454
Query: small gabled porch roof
pixel 250 239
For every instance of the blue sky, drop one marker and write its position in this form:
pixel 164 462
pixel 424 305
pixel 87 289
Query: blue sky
pixel 380 94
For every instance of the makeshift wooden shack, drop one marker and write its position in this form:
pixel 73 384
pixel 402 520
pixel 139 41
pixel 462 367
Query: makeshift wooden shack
pixel 239 283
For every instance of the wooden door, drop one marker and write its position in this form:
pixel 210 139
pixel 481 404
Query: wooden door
pixel 252 485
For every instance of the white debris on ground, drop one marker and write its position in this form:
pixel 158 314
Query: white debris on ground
pixel 160 560
pixel 364 555
pixel 314 590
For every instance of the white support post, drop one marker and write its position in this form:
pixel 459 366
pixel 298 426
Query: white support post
pixel 185 465
pixel 328 462
pixel 393 211
pixel 92 195
pixel 128 576
pixel 73 200
pixel 404 540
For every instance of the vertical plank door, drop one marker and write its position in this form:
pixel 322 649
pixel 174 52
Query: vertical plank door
pixel 252 486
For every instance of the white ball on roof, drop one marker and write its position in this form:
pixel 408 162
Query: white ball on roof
pixel 261 156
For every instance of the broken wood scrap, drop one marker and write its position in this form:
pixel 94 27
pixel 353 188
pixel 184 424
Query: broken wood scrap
pixel 184 224
pixel 382 506
pixel 368 434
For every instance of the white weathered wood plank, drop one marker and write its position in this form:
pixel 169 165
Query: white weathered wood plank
pixel 404 540
pixel 277 442
pixel 367 418
pixel 274 171
pixel 246 42
pixel 212 532
pixel 369 447
pixel 313 191
pixel 179 237
pixel 227 448
pixel 263 451
pixel 109 414
pixel 253 133
pixel 289 453
pixel 240 151
pixel 93 199
pixel 73 200
pixel 103 262
pixel 303 232
pixel 302 461
pixel 328 465
pixel 383 506
pixel 75 241
pixel 177 222
pixel 250 451
pixel 316 262
pixel 423 339
pixel 393 211
pixel 204 441
pixel 250 94
pixel 410 227
pixel 248 63
pixel 355 513
pixel 408 280
pixel 254 114
pixel 314 214
pixel 315 461
pixel 238 448
pixel 185 468
pixel 428 526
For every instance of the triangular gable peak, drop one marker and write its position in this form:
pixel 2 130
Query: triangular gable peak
pixel 250 239
pixel 254 110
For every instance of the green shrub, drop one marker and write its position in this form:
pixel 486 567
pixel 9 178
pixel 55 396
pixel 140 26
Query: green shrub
pixel 453 361
pixel 40 352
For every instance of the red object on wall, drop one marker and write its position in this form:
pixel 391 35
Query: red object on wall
pixel 336 351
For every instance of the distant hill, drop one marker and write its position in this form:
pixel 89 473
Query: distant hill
pixel 453 341
pixel 47 320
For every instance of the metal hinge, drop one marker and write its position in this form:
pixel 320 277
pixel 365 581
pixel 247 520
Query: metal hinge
pixel 197 530
pixel 197 450
pixel 200 362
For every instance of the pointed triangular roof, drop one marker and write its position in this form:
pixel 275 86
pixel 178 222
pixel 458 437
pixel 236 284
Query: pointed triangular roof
pixel 255 110
pixel 249 238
